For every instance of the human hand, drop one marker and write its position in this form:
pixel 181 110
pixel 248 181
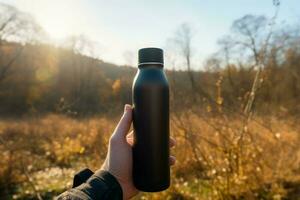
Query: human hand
pixel 118 161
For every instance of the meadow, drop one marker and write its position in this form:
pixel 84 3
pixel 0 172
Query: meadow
pixel 41 155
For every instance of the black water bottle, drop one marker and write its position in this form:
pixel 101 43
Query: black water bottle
pixel 150 95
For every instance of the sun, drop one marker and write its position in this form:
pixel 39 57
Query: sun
pixel 56 28
pixel 58 18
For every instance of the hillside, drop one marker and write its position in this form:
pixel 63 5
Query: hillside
pixel 40 78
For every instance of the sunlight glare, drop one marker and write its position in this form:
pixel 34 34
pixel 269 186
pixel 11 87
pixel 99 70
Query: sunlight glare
pixel 59 18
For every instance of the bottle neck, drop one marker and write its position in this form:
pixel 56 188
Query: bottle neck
pixel 150 64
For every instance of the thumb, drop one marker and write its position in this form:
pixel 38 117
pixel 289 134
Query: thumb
pixel 124 123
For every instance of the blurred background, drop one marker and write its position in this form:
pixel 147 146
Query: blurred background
pixel 66 70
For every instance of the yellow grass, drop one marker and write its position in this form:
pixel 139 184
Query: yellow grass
pixel 41 155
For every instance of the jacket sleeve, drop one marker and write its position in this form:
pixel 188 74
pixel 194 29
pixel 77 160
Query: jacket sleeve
pixel 87 185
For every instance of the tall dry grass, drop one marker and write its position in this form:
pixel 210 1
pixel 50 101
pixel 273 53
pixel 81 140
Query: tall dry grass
pixel 218 157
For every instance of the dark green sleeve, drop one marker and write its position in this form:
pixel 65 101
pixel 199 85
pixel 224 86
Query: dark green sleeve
pixel 99 186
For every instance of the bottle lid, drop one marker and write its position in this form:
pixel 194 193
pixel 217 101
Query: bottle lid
pixel 151 55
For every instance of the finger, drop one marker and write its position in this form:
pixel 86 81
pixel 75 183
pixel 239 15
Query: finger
pixel 172 142
pixel 130 138
pixel 130 135
pixel 172 160
pixel 130 141
pixel 125 122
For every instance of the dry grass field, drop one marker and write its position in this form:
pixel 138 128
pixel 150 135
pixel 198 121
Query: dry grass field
pixel 217 157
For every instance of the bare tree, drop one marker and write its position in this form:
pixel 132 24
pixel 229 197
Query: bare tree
pixel 183 40
pixel 249 30
pixel 251 35
pixel 15 26
pixel 183 43
pixel 18 26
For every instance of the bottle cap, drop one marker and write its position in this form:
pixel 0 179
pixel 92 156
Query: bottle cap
pixel 151 55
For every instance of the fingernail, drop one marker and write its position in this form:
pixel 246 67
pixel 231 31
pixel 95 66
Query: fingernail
pixel 127 107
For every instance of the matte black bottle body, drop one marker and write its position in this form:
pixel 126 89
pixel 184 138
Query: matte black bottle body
pixel 151 171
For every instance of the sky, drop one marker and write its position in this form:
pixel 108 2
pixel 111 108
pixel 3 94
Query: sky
pixel 121 27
